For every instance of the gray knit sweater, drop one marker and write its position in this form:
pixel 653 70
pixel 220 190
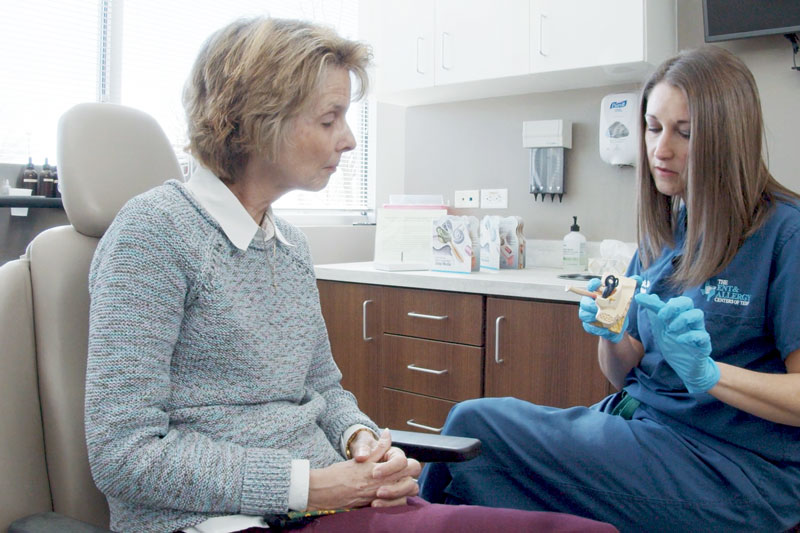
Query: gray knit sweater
pixel 209 368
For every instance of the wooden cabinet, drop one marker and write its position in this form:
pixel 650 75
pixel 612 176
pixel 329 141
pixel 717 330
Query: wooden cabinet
pixel 431 356
pixel 538 351
pixel 442 369
pixel 352 315
pixel 410 354
pixel 414 412
pixel 444 316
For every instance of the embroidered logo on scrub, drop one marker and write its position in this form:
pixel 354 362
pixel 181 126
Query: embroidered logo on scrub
pixel 725 293
pixel 645 285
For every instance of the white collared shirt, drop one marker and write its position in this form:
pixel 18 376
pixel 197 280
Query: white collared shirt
pixel 240 228
pixel 228 211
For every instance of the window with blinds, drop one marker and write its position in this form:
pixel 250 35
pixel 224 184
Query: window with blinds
pixel 139 53
pixel 48 63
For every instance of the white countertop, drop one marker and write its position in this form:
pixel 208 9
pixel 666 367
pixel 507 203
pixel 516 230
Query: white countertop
pixel 535 283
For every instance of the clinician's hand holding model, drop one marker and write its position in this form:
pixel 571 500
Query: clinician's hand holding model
pixel 587 312
pixel 680 333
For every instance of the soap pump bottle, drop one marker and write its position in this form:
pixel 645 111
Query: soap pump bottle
pixel 574 248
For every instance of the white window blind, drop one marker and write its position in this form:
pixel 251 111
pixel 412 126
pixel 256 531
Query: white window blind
pixel 139 53
pixel 48 63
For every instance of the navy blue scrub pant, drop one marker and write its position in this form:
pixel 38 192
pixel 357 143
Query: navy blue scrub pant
pixel 638 474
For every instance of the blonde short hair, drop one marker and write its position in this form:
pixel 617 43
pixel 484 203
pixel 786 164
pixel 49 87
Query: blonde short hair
pixel 251 78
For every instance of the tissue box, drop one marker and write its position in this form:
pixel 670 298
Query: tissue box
pixel 454 243
pixel 614 258
pixel 403 237
pixel 512 242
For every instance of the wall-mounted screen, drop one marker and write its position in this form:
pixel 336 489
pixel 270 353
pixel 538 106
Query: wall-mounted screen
pixel 736 19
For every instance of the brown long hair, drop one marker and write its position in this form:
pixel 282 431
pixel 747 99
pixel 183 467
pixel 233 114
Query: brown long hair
pixel 251 78
pixel 729 190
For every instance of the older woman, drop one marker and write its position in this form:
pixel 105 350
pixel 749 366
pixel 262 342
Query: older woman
pixel 212 398
pixel 211 389
pixel 705 433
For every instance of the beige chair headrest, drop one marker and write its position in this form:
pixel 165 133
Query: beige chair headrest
pixel 107 154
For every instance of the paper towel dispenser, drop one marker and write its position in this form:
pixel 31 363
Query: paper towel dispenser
pixel 546 140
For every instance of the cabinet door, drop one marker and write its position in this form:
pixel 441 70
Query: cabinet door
pixel 538 351
pixel 404 45
pixel 571 34
pixel 413 412
pixel 481 39
pixel 442 369
pixel 438 315
pixel 353 317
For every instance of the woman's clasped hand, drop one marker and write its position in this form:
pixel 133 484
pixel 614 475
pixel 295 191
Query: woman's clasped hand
pixel 379 475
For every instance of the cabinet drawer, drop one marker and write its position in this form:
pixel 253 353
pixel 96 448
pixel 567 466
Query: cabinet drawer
pixel 407 411
pixel 444 316
pixel 442 369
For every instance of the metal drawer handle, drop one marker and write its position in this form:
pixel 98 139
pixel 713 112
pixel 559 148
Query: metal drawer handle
pixel 412 366
pixel 431 317
pixel 364 320
pixel 422 426
pixel 497 340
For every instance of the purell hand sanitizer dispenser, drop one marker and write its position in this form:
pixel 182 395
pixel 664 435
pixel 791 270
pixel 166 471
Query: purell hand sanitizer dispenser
pixel 619 128
pixel 546 140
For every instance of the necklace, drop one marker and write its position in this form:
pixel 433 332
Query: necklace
pixel 271 266
pixel 267 227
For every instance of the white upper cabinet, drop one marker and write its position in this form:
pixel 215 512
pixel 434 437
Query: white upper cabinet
pixel 448 50
pixel 570 34
pixel 424 43
pixel 480 39
pixel 402 34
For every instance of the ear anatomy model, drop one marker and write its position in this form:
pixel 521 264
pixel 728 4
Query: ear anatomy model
pixel 613 300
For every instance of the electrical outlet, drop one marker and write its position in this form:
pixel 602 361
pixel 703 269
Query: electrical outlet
pixel 471 198
pixel 494 198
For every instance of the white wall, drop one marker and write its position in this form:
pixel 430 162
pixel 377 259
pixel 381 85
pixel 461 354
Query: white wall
pixel 477 144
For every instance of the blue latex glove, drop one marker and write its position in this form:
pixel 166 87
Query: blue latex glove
pixel 587 312
pixel 680 333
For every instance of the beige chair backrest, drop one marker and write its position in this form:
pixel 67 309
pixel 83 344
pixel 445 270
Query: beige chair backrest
pixel 106 155
pixel 23 473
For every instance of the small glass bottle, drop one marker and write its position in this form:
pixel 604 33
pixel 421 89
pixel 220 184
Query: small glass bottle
pixel 45 181
pixel 56 190
pixel 30 178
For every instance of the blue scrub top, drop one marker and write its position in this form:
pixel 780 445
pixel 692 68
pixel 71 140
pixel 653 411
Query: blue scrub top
pixel 752 312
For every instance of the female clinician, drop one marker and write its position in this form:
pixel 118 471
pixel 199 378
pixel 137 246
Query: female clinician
pixel 704 434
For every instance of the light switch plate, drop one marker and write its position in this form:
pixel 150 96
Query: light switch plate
pixel 494 198
pixel 470 198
